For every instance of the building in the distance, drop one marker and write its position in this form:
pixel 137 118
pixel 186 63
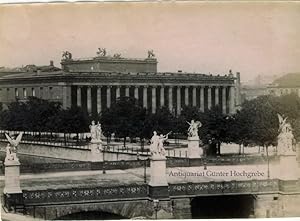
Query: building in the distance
pixel 95 83
pixel 287 84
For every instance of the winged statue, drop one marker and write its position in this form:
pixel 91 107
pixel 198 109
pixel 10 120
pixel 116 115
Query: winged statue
pixel 11 149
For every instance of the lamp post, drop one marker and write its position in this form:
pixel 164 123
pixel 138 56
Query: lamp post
pixel 145 169
pixel 155 205
pixel 103 171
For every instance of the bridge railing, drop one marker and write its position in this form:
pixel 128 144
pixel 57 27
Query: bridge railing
pixel 51 196
pixel 242 187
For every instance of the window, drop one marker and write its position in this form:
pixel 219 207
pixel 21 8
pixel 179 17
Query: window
pixel 16 92
pixel 33 92
pixel 24 92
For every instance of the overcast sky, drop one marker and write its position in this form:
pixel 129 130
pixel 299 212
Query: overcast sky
pixel 252 38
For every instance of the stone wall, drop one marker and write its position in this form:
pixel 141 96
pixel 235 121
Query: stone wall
pixel 277 205
pixel 127 209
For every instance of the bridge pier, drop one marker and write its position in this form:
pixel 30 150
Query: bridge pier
pixel 182 208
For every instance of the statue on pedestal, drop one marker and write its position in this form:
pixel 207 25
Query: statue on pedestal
pixel 193 129
pixel 286 138
pixel 11 148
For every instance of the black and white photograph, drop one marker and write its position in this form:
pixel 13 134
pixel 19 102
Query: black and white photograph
pixel 149 110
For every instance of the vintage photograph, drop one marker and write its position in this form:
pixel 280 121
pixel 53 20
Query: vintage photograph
pixel 149 110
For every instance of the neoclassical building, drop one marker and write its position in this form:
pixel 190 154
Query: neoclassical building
pixel 96 83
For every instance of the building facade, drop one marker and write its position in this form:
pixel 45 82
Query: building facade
pixel 96 83
pixel 287 84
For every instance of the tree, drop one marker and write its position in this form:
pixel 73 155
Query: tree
pixel 214 129
pixel 124 118
pixel 259 117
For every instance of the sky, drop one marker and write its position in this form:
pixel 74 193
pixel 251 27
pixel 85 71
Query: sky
pixel 253 38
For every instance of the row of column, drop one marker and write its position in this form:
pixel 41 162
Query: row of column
pixel 162 97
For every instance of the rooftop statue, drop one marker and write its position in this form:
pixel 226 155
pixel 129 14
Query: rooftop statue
pixel 101 52
pixel 151 54
pixel 286 138
pixel 66 55
pixel 11 149
pixel 193 129
pixel 117 55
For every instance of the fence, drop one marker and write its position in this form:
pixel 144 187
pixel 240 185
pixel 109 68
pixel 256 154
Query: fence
pixel 84 194
pixel 49 138
pixel 242 187
pixel 50 196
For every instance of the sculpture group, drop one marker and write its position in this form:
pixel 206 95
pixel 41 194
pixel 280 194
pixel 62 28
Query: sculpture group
pixel 286 138
pixel 96 132
pixel 11 148
pixel 157 144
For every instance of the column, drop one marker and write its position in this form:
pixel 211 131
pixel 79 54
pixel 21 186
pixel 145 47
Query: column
pixel 202 98
pixel 98 99
pixel 186 96
pixel 231 100
pixel 78 96
pixel 89 99
pixel 153 99
pixel 108 96
pixel 170 92
pixel 217 95
pixel 162 96
pixel 145 105
pixel 178 100
pixel 224 100
pixel 209 97
pixel 127 91
pixel 66 95
pixel 136 92
pixel 118 91
pixel 194 96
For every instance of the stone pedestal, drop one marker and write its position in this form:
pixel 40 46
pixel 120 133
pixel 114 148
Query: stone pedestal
pixel 158 185
pixel 96 150
pixel 194 151
pixel 288 167
pixel 12 177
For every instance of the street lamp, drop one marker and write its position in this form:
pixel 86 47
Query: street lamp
pixel 103 167
pixel 155 205
pixel 145 169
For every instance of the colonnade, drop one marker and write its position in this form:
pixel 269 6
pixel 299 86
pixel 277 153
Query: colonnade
pixel 174 97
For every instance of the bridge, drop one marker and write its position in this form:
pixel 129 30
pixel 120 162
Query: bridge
pixel 125 194
pixel 219 187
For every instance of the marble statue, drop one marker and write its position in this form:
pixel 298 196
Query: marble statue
pixel 151 54
pixel 98 131
pixel 285 138
pixel 67 55
pixel 101 52
pixel 11 148
pixel 154 143
pixel 93 130
pixel 157 144
pixel 117 55
pixel 193 129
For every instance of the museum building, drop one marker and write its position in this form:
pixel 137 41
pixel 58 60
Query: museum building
pixel 95 83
